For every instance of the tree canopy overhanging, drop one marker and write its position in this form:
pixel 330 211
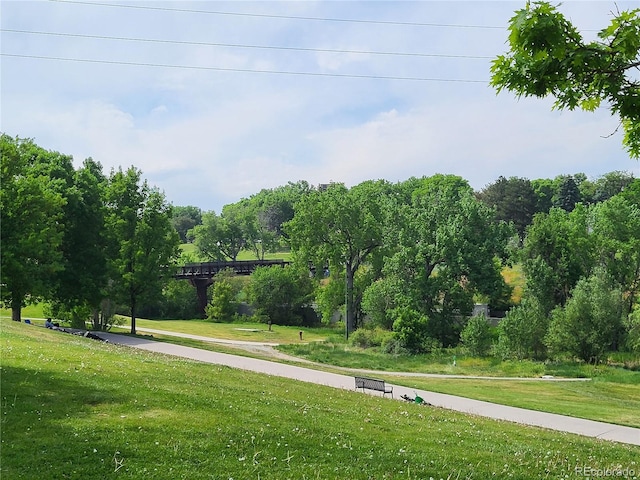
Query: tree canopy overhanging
pixel 548 57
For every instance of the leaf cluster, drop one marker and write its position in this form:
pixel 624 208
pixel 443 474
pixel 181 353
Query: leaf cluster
pixel 548 56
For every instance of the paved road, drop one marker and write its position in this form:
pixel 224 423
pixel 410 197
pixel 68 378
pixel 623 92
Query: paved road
pixel 551 421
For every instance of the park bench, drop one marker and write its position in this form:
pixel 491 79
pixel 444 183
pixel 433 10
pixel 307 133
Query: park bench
pixel 373 384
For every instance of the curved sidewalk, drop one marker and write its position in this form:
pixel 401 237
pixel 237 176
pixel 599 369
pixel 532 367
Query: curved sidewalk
pixel 589 428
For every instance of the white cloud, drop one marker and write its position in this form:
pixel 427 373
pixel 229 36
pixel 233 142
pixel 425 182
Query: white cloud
pixel 209 137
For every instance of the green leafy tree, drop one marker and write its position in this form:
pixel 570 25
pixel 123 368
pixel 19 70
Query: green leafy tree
pixel 258 236
pixel 513 199
pixel 219 237
pixel 31 205
pixel 476 336
pixel 543 188
pixel 379 301
pixel 557 252
pixel 276 207
pixel 223 305
pixel 281 293
pixel 179 301
pixel 632 192
pixel 590 323
pixel 522 332
pixel 80 285
pixel 548 56
pixel 444 244
pixel 184 219
pixel 343 227
pixel 145 243
pixel 329 295
pixel 616 228
pixel 611 184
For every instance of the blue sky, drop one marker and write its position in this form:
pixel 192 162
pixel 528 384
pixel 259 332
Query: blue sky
pixel 210 126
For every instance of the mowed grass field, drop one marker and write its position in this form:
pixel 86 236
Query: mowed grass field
pixel 190 249
pixel 612 393
pixel 78 408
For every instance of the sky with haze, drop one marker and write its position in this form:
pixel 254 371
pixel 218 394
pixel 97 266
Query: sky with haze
pixel 215 101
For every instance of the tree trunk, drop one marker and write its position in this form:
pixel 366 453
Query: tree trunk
pixel 133 315
pixel 16 311
pixel 349 299
pixel 96 319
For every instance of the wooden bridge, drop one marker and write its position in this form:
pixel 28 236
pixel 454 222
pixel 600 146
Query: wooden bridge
pixel 200 275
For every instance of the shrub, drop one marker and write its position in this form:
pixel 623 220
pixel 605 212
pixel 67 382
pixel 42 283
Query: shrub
pixel 367 337
pixel 393 346
pixel 223 306
pixel 590 321
pixel 411 329
pixel 522 331
pixel 632 325
pixel 476 336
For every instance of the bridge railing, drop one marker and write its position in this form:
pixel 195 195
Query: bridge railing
pixel 210 269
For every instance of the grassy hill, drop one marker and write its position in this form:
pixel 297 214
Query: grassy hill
pixel 77 408
pixel 190 249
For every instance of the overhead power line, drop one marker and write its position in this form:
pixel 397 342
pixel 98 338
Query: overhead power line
pixel 239 45
pixel 287 17
pixel 242 70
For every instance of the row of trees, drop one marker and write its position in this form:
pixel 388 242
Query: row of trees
pixel 253 224
pixel 413 257
pixel 582 272
pixel 424 247
pixel 256 223
pixel 517 200
pixel 82 240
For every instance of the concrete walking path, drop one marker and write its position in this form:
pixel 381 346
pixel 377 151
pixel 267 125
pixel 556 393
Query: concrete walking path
pixel 590 428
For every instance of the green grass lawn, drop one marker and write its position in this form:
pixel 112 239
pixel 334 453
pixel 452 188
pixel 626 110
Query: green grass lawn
pixel 613 394
pixel 78 408
pixel 255 332
pixel 190 249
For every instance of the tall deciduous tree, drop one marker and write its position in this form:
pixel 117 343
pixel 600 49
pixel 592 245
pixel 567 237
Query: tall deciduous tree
pixel 445 244
pixel 611 184
pixel 616 228
pixel 343 227
pixel 80 285
pixel 257 235
pixel 280 294
pixel 139 220
pixel 548 56
pixel 276 207
pixel 557 252
pixel 184 219
pixel 31 206
pixel 513 199
pixel 219 236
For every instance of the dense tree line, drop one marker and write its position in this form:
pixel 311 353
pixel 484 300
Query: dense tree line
pixel 411 258
pixel 414 257
pixel 79 239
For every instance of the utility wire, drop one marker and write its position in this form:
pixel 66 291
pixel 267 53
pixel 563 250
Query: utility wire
pixel 287 17
pixel 238 45
pixel 243 70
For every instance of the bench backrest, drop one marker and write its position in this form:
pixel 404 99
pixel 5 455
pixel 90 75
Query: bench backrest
pixel 370 383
